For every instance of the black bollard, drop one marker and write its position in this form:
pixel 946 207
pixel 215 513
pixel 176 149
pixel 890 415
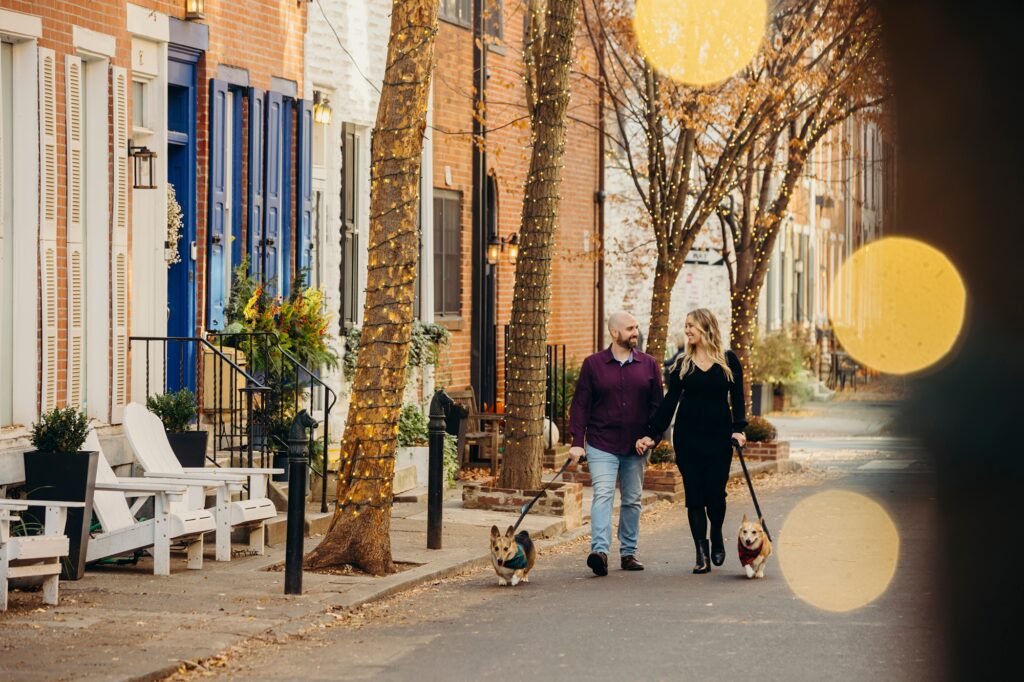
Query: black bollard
pixel 298 461
pixel 435 471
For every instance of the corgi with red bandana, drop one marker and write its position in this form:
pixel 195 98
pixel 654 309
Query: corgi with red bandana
pixel 512 556
pixel 754 547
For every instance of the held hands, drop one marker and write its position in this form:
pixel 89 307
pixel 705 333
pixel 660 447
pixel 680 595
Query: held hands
pixel 575 453
pixel 643 445
pixel 740 438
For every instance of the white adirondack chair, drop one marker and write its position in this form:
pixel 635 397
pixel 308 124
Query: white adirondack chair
pixel 148 441
pixel 34 555
pixel 173 521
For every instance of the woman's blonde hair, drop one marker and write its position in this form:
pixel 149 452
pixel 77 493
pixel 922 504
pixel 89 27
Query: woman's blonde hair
pixel 711 337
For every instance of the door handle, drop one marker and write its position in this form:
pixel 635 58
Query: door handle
pixel 216 239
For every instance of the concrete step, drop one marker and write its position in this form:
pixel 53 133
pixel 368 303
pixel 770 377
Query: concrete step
pixel 316 523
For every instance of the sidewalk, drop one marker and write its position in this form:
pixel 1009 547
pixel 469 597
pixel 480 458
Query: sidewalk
pixel 121 622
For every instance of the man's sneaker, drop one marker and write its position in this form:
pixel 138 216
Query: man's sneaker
pixel 598 562
pixel 630 563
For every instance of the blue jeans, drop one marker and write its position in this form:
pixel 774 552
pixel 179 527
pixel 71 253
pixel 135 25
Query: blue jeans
pixel 605 467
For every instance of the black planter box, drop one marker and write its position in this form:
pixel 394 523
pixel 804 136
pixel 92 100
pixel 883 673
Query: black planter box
pixel 189 447
pixel 67 477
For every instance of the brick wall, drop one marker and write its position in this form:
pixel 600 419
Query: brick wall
pixel 573 303
pixel 58 21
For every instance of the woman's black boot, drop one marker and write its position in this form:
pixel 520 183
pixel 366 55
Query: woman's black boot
pixel 717 547
pixel 702 565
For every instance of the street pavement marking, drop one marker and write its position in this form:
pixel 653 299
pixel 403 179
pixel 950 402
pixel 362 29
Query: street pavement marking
pixel 886 464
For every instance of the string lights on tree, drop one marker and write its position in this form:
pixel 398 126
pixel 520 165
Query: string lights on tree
pixel 359 532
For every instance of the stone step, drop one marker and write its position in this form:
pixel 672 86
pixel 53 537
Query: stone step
pixel 317 523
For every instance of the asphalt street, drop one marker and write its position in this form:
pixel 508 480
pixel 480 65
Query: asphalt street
pixel 659 624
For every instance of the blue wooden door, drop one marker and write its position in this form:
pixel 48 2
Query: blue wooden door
pixel 181 174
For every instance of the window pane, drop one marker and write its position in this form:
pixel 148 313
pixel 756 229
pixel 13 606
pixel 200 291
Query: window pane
pixel 138 104
pixel 493 24
pixel 438 255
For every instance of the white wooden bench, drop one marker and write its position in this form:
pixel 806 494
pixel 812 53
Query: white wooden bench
pixel 24 556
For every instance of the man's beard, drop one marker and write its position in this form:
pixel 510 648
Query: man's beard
pixel 628 343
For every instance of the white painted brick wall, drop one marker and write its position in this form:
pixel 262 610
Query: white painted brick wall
pixel 362 27
pixel 629 264
pixel 352 79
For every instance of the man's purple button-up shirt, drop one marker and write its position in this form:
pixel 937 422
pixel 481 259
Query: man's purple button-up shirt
pixel 614 402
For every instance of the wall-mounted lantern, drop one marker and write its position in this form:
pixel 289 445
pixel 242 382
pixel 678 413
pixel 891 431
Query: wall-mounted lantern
pixel 513 248
pixel 195 9
pixel 496 246
pixel 142 160
pixel 322 111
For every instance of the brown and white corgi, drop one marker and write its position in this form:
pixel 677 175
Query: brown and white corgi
pixel 754 547
pixel 512 556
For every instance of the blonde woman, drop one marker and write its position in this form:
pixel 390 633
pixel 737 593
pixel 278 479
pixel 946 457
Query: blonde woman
pixel 706 385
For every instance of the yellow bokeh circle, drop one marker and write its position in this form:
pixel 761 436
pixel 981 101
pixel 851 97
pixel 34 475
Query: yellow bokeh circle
pixel 700 42
pixel 897 305
pixel 838 550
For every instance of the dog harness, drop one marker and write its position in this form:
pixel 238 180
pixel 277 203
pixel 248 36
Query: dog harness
pixel 747 555
pixel 517 562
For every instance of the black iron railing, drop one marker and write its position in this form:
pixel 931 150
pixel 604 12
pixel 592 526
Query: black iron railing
pixel 225 392
pixel 293 387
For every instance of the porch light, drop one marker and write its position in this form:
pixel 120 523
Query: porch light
pixel 513 248
pixel 322 111
pixel 493 250
pixel 195 9
pixel 142 160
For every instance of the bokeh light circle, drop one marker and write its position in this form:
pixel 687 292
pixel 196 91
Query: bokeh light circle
pixel 897 305
pixel 700 42
pixel 838 550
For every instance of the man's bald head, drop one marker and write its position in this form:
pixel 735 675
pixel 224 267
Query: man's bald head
pixel 624 330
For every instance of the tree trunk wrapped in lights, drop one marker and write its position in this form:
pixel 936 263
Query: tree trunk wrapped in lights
pixel 547 57
pixel 359 531
pixel 823 67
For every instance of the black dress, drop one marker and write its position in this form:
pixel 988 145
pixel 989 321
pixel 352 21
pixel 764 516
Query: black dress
pixel 710 410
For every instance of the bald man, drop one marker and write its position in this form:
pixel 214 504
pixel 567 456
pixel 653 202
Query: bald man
pixel 618 391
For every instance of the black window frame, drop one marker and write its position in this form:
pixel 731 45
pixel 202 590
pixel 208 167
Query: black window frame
pixel 447 255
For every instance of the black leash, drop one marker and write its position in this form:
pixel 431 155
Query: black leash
pixel 528 505
pixel 750 485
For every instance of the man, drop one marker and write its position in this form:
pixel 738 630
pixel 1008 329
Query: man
pixel 618 391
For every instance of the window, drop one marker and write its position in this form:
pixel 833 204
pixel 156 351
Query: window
pixel 447 253
pixel 139 112
pixel 457 12
pixel 349 228
pixel 494 20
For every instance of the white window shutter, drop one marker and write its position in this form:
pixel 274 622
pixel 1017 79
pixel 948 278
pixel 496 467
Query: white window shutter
pixel 75 219
pixel 48 224
pixel 119 247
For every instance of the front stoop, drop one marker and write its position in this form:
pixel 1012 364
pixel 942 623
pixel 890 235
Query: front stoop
pixel 562 499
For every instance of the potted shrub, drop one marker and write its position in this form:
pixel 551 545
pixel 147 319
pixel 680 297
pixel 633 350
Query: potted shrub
pixel 176 411
pixel 762 440
pixel 58 469
pixel 413 453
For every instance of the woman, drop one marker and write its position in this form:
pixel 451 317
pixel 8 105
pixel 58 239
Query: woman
pixel 707 386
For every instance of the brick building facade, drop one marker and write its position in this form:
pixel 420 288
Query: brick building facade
pixel 87 85
pixel 477 304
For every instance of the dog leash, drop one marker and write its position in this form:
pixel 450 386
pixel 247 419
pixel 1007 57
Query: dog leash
pixel 526 507
pixel 750 485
